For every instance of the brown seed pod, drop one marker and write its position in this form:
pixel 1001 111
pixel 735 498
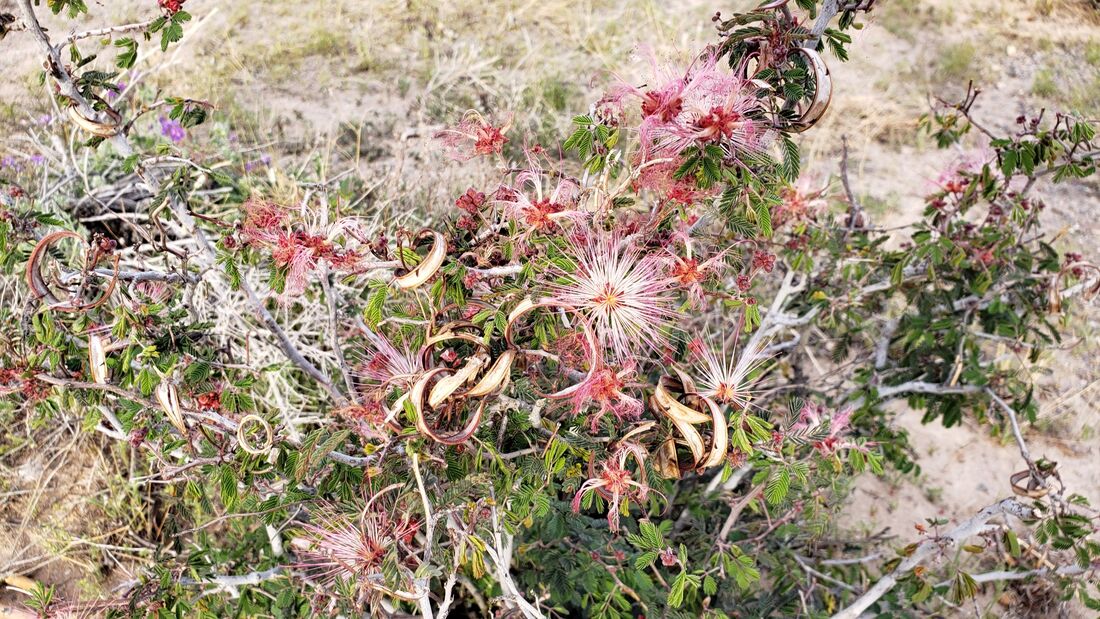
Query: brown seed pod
pixel 428 267
pixel 41 289
pixel 97 359
pixel 526 306
pixel 246 444
pixel 686 410
pixel 1033 488
pixel 823 92
pixel 169 400
pixel 98 129
pixel 416 398
pixel 496 378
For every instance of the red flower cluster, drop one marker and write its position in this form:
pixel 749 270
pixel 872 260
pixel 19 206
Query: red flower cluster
pixel 171 6
pixel 472 137
pixel 297 251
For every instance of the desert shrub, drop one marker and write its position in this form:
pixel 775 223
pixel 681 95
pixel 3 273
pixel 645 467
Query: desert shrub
pixel 583 390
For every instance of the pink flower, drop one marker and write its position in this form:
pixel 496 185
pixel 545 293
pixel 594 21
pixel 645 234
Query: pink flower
pixel 473 136
pixel 690 274
pixel 620 290
pixel 336 546
pixel 812 420
pixel 727 380
pixel 801 202
pixel 604 387
pixel 383 363
pixel 661 178
pixel 301 245
pixel 704 104
pixel 615 482
pixel 538 202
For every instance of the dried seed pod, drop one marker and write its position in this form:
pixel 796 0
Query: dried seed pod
pixel 416 397
pixel 41 290
pixel 823 92
pixel 526 306
pixel 666 400
pixel 98 129
pixel 97 359
pixel 246 444
pixel 424 271
pixel 446 387
pixel 169 400
pixel 496 379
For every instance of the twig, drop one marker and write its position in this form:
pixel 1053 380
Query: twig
pixel 735 512
pixel 926 549
pixel 288 347
pixel 855 209
pixel 231 583
pixel 334 326
pixel 917 386
pixel 100 32
pixel 809 570
pixel 994 576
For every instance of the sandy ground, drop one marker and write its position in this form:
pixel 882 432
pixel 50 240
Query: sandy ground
pixel 369 80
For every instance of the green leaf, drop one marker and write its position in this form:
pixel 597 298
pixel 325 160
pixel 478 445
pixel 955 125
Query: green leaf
pixel 676 593
pixel 227 485
pixel 763 217
pixel 792 160
pixel 778 486
pixel 376 301
pixel 963 587
pixel 127 55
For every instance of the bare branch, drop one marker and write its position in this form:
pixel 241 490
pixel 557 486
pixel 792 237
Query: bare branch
pixel 930 547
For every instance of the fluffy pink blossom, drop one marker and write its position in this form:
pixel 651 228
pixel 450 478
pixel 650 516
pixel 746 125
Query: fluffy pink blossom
pixel 704 104
pixel 473 136
pixel 605 387
pixel 660 176
pixel 384 364
pixel 690 273
pixel 724 378
pixel 538 203
pixel 801 201
pixel 624 293
pixel 336 546
pixel 616 482
pixel 298 244
pixel 813 418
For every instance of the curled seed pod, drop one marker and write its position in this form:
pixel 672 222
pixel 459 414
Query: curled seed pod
pixel 823 92
pixel 526 306
pixel 98 129
pixel 496 378
pixel 169 400
pixel 447 386
pixel 668 400
pixel 97 359
pixel 245 442
pixel 1032 489
pixel 424 271
pixel 41 290
pixel 416 398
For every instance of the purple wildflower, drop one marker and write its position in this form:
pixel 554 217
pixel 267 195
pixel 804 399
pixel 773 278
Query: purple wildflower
pixel 172 130
pixel 113 93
